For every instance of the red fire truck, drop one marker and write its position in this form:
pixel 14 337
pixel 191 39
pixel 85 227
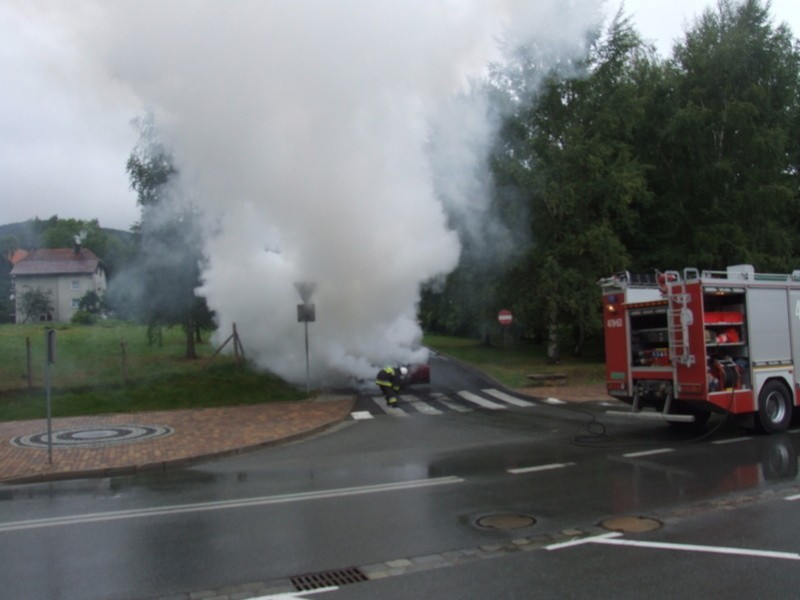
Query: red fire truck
pixel 680 346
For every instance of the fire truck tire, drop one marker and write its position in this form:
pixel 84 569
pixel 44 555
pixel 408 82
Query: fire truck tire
pixel 774 408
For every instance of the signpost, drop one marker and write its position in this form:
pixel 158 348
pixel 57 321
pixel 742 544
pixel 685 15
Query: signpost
pixel 50 345
pixel 306 313
pixel 505 318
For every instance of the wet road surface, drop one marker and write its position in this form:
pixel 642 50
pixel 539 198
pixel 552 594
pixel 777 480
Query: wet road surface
pixel 397 494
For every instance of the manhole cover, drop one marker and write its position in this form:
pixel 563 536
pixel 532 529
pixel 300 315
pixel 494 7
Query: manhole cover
pixel 631 524
pixel 506 521
pixel 93 436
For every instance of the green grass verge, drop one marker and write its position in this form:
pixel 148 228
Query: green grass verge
pixel 90 376
pixel 511 364
pixel 87 377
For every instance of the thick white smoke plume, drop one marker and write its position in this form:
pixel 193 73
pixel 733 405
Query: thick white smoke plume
pixel 301 130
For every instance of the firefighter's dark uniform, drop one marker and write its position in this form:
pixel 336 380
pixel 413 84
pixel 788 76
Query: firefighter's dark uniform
pixel 388 380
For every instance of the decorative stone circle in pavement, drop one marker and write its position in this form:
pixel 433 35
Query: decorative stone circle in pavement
pixel 94 436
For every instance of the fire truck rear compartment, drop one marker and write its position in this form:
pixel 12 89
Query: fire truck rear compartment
pixel 724 342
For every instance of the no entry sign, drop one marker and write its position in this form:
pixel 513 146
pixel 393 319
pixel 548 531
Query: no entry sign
pixel 504 317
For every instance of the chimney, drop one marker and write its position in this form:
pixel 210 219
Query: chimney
pixel 77 247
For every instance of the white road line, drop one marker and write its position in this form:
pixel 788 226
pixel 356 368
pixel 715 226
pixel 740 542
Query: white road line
pixel 157 511
pixel 795 497
pixel 538 468
pixel 648 452
pixel 581 541
pixel 475 399
pixel 554 401
pixel 420 406
pixel 360 415
pixel 450 404
pixel 613 539
pixel 507 398
pixel 731 440
pixel 380 402
pixel 696 548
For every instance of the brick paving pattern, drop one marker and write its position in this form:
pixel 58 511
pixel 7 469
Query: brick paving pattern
pixel 199 434
pixel 203 433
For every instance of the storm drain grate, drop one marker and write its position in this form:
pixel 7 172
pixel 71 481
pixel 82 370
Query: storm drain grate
pixel 315 581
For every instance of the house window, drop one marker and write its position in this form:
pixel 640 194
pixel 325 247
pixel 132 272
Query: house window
pixel 76 302
pixel 76 284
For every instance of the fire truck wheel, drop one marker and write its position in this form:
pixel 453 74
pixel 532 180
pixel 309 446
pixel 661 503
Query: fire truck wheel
pixel 774 408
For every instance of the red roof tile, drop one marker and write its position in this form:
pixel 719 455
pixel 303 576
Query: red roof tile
pixel 57 261
pixel 17 255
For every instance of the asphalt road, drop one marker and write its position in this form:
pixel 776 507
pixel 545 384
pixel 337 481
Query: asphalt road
pixel 426 499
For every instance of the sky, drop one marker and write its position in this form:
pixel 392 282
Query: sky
pixel 66 131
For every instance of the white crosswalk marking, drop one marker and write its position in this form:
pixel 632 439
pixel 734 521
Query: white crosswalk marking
pixel 437 403
pixel 420 406
pixel 442 399
pixel 507 398
pixel 380 402
pixel 475 399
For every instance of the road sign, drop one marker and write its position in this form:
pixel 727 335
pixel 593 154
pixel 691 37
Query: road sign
pixel 306 314
pixel 504 317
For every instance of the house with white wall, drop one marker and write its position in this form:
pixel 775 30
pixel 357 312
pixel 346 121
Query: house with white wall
pixel 67 273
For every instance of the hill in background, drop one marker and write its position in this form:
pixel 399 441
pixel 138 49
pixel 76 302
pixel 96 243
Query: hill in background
pixel 30 233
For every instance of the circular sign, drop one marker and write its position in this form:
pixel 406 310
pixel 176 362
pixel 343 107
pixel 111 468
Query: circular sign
pixel 504 317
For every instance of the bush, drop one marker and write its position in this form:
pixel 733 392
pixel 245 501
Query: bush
pixel 84 317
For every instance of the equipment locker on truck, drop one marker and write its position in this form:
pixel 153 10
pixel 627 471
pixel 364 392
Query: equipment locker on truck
pixel 690 344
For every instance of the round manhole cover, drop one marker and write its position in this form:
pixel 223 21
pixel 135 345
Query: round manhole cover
pixel 506 521
pixel 631 524
pixel 93 436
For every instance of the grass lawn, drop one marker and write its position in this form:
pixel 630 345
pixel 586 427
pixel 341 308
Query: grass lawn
pixel 91 377
pixel 511 365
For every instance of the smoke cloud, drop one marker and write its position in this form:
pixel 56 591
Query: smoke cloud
pixel 302 131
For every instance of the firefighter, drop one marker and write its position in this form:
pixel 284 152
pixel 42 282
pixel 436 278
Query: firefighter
pixel 390 379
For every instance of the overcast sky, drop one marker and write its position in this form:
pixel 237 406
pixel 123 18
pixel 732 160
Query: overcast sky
pixel 66 130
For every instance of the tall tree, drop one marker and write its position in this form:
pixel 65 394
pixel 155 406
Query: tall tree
pixel 727 176
pixel 8 245
pixel 170 255
pixel 571 152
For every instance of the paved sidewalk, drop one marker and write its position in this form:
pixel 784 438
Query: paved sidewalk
pixel 186 436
